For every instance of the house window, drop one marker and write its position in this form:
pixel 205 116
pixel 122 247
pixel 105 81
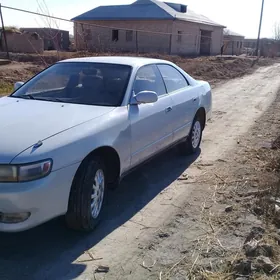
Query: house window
pixel 129 35
pixel 115 35
pixel 87 34
pixel 241 45
pixel 237 44
pixel 179 38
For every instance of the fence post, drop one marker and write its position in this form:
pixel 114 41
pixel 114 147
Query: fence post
pixel 136 41
pixel 4 33
pixel 170 44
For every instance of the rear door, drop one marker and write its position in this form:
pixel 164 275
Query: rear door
pixel 184 100
pixel 151 124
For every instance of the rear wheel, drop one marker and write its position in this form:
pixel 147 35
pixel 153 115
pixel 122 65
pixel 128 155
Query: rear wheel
pixel 192 143
pixel 87 195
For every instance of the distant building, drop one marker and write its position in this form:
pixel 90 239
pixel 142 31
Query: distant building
pixel 233 43
pixel 148 26
pixel 250 43
pixel 267 47
pixel 54 39
pixel 29 42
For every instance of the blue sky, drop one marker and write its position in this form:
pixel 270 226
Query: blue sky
pixel 241 16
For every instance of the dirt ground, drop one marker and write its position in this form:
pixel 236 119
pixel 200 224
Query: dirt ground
pixel 212 69
pixel 180 217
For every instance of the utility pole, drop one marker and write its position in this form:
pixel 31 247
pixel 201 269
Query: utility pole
pixel 4 33
pixel 260 27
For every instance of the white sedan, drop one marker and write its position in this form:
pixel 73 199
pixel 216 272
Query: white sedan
pixel 75 129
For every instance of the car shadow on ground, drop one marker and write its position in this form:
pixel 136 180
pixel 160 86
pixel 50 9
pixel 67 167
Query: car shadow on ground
pixel 47 252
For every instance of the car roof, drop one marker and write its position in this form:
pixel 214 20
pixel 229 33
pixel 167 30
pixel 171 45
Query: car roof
pixel 123 60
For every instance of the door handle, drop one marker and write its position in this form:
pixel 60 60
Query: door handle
pixel 194 99
pixel 168 109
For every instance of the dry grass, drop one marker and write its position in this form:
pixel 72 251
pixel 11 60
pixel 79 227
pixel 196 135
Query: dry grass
pixel 255 187
pixel 5 88
pixel 211 69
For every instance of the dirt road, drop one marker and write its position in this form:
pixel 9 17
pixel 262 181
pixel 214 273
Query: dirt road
pixel 146 203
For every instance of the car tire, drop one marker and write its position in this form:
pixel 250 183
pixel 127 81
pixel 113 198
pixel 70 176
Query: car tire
pixel 87 195
pixel 192 144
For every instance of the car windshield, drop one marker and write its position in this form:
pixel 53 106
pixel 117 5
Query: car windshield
pixel 87 83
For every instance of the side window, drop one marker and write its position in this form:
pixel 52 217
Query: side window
pixel 173 79
pixel 149 78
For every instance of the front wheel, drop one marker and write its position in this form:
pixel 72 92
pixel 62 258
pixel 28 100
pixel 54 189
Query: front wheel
pixel 192 143
pixel 87 195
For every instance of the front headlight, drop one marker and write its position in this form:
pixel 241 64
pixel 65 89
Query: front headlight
pixel 25 172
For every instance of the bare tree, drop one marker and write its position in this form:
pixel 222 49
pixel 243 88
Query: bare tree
pixel 276 30
pixel 226 32
pixel 53 26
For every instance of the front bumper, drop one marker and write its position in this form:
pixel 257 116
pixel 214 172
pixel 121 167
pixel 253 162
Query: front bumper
pixel 44 199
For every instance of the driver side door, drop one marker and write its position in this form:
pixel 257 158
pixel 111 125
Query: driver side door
pixel 151 126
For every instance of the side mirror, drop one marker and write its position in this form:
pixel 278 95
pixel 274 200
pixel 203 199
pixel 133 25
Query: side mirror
pixel 18 85
pixel 146 97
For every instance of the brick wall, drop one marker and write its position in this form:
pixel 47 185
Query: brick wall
pixel 102 39
pixel 54 39
pixel 99 38
pixel 233 45
pixel 24 43
pixel 189 44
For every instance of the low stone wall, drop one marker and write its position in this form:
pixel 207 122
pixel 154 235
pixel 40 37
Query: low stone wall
pixel 24 43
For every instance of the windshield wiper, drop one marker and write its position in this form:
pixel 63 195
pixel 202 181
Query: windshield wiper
pixel 26 96
pixel 47 98
pixel 50 99
pixel 30 96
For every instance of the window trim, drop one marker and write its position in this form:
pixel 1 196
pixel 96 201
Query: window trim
pixel 165 64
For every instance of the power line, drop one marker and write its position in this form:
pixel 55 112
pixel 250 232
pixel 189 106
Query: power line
pixel 82 23
pixel 108 27
pixel 35 13
pixel 101 26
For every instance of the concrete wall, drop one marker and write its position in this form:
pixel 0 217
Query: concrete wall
pixel 54 39
pixel 267 47
pixel 233 45
pixel 100 38
pixel 189 44
pixel 270 48
pixel 24 43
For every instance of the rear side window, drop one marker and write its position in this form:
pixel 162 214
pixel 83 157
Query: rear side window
pixel 173 79
pixel 149 78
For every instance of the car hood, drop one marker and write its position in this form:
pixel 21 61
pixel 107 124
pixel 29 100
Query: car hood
pixel 25 122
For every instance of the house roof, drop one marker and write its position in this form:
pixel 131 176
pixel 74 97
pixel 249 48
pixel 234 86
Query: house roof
pixel 144 10
pixel 228 32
